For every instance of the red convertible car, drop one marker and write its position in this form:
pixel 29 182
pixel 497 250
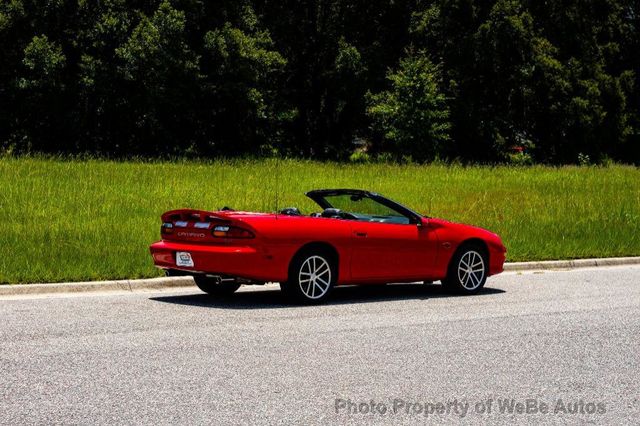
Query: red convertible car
pixel 357 237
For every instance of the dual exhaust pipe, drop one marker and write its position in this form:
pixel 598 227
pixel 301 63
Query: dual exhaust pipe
pixel 219 279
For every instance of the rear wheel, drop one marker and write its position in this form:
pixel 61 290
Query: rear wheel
pixel 215 286
pixel 468 269
pixel 311 277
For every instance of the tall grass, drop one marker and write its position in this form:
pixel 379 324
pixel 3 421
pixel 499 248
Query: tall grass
pixel 79 220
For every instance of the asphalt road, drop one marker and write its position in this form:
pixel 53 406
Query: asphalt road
pixel 389 354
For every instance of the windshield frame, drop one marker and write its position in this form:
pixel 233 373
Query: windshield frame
pixel 319 196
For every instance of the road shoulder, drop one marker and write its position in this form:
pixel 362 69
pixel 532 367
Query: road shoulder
pixel 150 284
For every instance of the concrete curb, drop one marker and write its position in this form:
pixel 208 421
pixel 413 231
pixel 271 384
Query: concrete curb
pixel 97 286
pixel 570 264
pixel 185 282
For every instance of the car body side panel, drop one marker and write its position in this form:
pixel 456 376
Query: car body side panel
pixel 397 252
pixel 452 235
pixel 284 236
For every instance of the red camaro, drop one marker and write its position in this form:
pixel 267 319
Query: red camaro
pixel 359 237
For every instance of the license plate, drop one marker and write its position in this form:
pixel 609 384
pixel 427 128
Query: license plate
pixel 183 258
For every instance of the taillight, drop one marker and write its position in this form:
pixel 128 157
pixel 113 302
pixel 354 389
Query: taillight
pixel 224 231
pixel 166 228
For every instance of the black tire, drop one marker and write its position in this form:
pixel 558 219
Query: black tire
pixel 215 287
pixel 468 270
pixel 322 271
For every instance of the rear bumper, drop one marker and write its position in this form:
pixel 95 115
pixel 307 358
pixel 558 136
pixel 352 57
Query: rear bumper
pixel 238 261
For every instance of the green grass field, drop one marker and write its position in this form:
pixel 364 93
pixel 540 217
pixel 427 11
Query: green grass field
pixel 87 220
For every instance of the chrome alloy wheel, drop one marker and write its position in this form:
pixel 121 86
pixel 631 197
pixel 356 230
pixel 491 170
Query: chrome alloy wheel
pixel 471 270
pixel 314 277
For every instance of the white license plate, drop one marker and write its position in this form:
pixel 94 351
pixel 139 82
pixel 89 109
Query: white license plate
pixel 183 258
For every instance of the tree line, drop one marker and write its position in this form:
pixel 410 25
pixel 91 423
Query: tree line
pixel 482 81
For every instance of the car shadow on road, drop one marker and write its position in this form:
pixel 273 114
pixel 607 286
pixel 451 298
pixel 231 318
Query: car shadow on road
pixel 271 299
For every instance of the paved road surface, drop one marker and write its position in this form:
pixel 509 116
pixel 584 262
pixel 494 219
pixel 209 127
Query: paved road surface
pixel 151 358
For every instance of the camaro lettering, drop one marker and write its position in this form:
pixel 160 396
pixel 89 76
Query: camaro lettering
pixel 191 234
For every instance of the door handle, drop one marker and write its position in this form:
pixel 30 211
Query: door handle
pixel 360 234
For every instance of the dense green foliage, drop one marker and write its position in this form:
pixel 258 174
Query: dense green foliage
pixel 102 228
pixel 413 114
pixel 468 79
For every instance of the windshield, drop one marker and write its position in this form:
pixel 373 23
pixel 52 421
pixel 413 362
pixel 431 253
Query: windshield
pixel 365 208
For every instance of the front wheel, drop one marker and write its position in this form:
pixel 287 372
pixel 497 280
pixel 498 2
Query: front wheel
pixel 467 271
pixel 311 278
pixel 215 286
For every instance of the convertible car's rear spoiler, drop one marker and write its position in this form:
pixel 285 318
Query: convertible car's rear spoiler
pixel 193 215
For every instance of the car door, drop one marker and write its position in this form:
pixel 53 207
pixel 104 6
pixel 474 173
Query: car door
pixel 389 251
